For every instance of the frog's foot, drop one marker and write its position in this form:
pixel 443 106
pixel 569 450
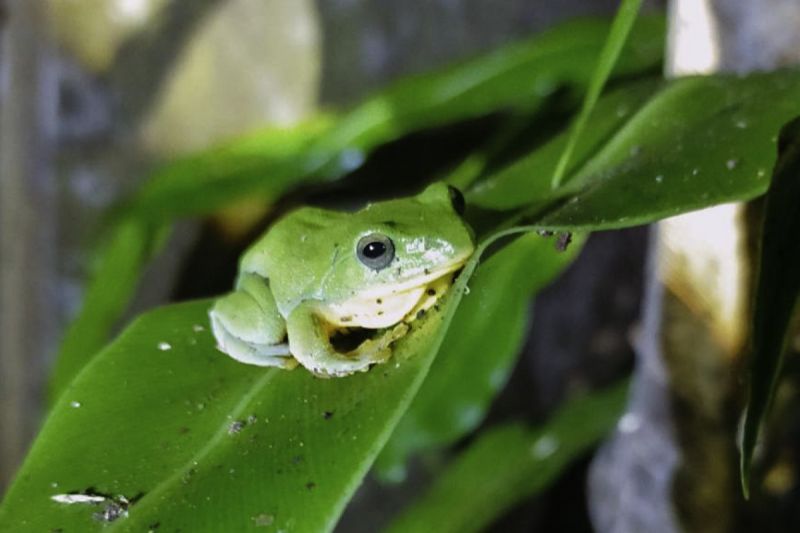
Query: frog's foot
pixel 245 332
pixel 248 352
pixel 313 349
pixel 377 345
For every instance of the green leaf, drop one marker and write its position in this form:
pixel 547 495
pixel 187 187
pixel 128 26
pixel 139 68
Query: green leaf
pixel 620 29
pixel 509 464
pixel 113 284
pixel 526 181
pixel 198 442
pixel 520 75
pixel 263 164
pixel 700 142
pixel 776 295
pixel 517 75
pixel 479 350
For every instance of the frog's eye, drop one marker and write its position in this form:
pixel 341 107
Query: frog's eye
pixel 375 251
pixel 457 199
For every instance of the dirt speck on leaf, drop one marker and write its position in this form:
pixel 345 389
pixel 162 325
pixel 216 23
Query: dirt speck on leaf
pixel 563 240
pixel 235 427
pixel 263 520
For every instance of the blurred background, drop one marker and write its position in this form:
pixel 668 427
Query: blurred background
pixel 94 94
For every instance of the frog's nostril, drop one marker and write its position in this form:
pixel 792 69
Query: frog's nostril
pixel 457 199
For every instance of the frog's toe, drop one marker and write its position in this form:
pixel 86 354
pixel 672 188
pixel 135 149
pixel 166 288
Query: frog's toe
pixel 329 363
pixel 248 352
pixel 378 349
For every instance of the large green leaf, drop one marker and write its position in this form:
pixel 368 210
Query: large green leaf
pixel 197 442
pixel 509 464
pixel 479 350
pixel 776 295
pixel 698 142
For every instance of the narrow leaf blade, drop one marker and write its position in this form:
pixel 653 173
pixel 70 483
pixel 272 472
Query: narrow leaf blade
pixel 620 30
pixel 777 294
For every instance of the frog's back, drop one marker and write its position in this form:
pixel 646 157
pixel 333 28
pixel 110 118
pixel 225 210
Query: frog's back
pixel 295 253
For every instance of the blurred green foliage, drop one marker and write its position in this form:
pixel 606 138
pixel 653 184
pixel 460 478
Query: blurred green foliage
pixel 509 463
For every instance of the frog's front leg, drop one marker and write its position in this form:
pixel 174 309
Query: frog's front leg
pixel 248 326
pixel 309 342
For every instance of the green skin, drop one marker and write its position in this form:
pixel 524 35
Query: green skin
pixel 308 261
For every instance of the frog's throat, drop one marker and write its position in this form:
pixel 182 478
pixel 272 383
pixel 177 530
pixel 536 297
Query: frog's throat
pixel 390 307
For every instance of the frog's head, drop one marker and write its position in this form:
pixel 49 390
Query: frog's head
pixel 386 248
pixel 400 244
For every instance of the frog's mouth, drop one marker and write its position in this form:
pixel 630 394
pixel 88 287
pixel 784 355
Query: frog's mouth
pixel 419 279
pixel 378 309
pixel 382 327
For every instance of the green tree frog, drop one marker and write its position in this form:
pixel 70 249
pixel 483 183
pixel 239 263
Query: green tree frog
pixel 319 274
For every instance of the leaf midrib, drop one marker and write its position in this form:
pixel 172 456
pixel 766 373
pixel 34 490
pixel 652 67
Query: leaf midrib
pixel 218 437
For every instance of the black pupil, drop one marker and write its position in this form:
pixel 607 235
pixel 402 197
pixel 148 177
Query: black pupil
pixel 374 250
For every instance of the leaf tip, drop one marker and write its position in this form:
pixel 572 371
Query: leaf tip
pixel 744 474
pixel 747 443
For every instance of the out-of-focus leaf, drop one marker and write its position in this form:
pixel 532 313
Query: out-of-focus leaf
pixel 508 464
pixel 263 164
pixel 776 295
pixel 479 351
pixel 520 75
pixel 120 264
pixel 517 75
pixel 179 436
pixel 618 36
